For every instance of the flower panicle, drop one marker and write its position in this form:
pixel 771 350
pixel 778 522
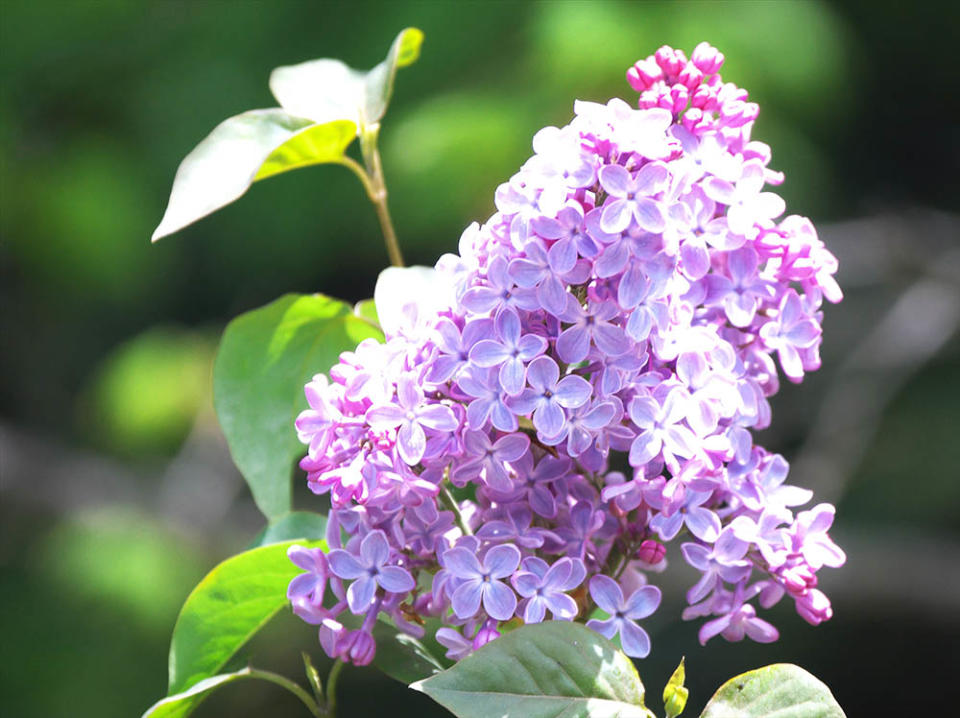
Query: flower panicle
pixel 633 302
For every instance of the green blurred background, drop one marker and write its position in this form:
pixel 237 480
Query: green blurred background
pixel 116 492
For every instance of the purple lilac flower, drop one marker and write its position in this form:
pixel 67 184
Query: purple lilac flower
pixel 630 197
pixel 478 582
pixel 412 416
pixel 309 586
pixel 790 333
pixel 701 522
pixel 635 297
pixel 660 429
pixel 369 571
pixel 457 646
pixel 573 344
pixel 643 602
pixel 544 587
pixel 516 527
pixel 488 404
pixel 549 395
pixel 724 561
pixel 743 292
pixel 570 236
pixel 511 353
pixel 483 455
pixel 454 347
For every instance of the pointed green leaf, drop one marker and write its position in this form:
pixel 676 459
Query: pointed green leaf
pixel 265 358
pixel 182 704
pixel 781 690
pixel 314 145
pixel 232 603
pixel 313 676
pixel 291 526
pixel 542 670
pixel 328 89
pixel 379 81
pixel 222 167
pixel 243 149
pixel 675 694
pixel 366 309
pixel 405 658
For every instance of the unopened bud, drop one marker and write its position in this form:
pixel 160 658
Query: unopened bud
pixel 707 58
pixel 651 552
pixel 675 694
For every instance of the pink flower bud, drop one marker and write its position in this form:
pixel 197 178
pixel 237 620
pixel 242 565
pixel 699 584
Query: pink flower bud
pixel 704 98
pixel 643 74
pixel 690 77
pixel 670 60
pixel 691 118
pixel 707 58
pixel 357 647
pixel 651 552
pixel 679 97
pixel 814 607
pixel 486 634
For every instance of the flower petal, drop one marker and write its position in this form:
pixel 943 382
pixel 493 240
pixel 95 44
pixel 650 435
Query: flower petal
pixel 498 600
pixel 606 593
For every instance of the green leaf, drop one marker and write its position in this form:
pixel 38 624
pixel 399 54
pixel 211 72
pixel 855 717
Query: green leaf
pixel 782 690
pixel 675 694
pixel 222 167
pixel 314 145
pixel 265 358
pixel 328 89
pixel 232 603
pixel 313 677
pixel 366 309
pixel 405 658
pixel 183 703
pixel 541 671
pixel 291 526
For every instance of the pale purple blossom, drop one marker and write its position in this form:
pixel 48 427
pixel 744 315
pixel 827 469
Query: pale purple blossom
pixel 627 303
pixel 369 569
pixel 511 353
pixel 549 395
pixel 412 416
pixel 545 588
pixel 479 582
pixel 643 602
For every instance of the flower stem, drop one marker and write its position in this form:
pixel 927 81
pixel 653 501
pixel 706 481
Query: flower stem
pixel 294 688
pixel 331 708
pixel 451 503
pixel 377 191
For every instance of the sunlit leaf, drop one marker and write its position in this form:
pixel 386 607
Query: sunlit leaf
pixel 265 358
pixel 327 89
pixel 325 104
pixel 781 690
pixel 675 694
pixel 223 166
pixel 182 704
pixel 232 603
pixel 542 671
pixel 366 309
pixel 405 658
pixel 314 145
pixel 290 526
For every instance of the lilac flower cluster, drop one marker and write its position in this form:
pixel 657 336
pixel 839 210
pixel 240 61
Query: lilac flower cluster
pixel 578 387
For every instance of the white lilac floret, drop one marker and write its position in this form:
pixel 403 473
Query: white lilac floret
pixel 578 387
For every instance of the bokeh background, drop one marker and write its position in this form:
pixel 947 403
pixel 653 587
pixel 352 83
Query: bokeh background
pixel 117 493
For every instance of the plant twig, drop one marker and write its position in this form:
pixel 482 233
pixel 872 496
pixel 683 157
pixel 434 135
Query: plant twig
pixel 378 190
pixel 291 686
pixel 331 707
pixel 451 503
